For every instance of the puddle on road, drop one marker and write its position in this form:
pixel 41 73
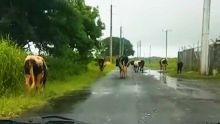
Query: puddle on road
pixel 176 84
pixel 101 92
pixel 63 104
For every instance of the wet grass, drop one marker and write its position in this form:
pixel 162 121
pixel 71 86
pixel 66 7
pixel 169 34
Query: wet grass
pixel 14 105
pixel 172 71
pixel 194 75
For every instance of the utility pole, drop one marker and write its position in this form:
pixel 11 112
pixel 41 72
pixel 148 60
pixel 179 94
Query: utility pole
pixel 166 43
pixel 204 66
pixel 140 48
pixel 110 51
pixel 120 50
pixel 150 54
pixel 137 49
pixel 166 31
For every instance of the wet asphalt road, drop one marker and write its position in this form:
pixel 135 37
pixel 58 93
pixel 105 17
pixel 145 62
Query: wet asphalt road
pixel 141 98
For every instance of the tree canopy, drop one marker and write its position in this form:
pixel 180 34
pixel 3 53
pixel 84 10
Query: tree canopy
pixel 52 25
pixel 128 48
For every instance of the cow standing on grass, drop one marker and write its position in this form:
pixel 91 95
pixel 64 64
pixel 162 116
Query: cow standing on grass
pixel 122 63
pixel 179 67
pixel 35 73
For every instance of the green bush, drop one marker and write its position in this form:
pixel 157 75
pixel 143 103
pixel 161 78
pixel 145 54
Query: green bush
pixel 62 68
pixel 11 66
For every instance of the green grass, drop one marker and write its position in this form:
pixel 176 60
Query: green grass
pixel 14 105
pixel 172 70
pixel 154 64
pixel 194 75
pixel 11 63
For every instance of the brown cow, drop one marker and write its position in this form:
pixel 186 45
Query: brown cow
pixel 35 72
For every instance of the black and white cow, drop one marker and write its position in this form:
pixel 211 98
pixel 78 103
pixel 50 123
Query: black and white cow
pixel 163 64
pixel 138 65
pixel 122 63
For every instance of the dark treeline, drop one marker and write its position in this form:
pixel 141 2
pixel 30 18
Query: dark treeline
pixel 56 27
pixel 128 47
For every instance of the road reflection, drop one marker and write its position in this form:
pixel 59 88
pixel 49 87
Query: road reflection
pixel 63 104
pixel 163 77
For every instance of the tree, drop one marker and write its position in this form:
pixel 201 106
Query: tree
pixel 62 24
pixel 128 48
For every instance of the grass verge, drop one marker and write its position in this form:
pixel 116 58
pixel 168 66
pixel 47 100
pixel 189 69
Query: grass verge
pixel 172 71
pixel 14 105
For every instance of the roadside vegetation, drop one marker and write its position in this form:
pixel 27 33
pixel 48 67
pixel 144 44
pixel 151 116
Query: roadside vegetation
pixel 65 32
pixel 11 106
pixel 11 65
pixel 172 70
pixel 64 75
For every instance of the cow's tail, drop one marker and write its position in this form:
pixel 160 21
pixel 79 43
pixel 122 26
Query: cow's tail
pixel 32 74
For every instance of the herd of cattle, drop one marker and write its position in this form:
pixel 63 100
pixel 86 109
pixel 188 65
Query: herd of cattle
pixel 35 69
pixel 123 63
pixel 138 65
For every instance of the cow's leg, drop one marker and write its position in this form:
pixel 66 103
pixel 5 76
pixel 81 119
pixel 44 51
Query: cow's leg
pixel 39 82
pixel 101 67
pixel 27 83
pixel 161 67
pixel 121 76
pixel 120 71
pixel 124 71
pixel 165 67
pixel 177 71
pixel 181 70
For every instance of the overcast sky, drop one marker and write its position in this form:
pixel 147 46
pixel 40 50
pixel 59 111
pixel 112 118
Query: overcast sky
pixel 145 19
